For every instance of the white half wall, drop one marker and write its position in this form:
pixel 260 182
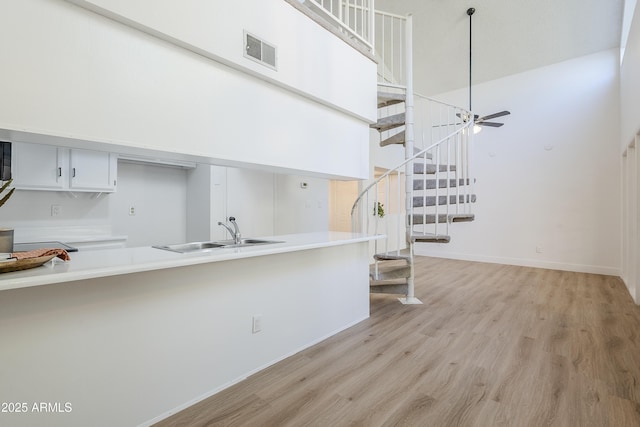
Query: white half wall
pixel 215 30
pixel 548 181
pixel 84 80
pixel 132 349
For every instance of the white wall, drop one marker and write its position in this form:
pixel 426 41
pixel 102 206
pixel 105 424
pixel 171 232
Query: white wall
pixel 383 157
pixel 250 199
pixel 214 30
pixel 550 178
pixel 174 205
pixel 216 193
pixel 301 210
pixel 33 209
pixel 158 195
pixel 630 84
pixel 263 203
pixel 69 72
pixel 629 144
pixel 627 21
pixel 201 206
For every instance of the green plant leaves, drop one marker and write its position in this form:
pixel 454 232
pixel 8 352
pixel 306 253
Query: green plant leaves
pixel 8 195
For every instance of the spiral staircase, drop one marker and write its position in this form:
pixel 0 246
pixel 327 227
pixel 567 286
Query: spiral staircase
pixel 417 201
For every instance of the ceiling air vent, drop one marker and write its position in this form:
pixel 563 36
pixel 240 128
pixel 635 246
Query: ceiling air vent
pixel 259 50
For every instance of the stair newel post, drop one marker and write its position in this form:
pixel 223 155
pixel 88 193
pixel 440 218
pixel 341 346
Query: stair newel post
pixel 408 153
pixel 409 127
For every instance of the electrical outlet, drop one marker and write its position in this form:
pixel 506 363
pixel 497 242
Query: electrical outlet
pixel 257 324
pixel 56 210
pixel 539 249
pixel 132 210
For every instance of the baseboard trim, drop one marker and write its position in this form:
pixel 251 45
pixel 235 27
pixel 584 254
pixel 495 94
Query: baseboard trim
pixel 631 288
pixel 245 376
pixel 551 265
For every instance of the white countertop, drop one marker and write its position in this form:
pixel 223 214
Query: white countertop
pixel 111 262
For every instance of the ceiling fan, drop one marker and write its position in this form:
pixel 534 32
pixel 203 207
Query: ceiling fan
pixel 480 121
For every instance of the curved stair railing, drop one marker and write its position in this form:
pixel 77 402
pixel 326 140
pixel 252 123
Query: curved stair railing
pixel 421 197
pixel 432 188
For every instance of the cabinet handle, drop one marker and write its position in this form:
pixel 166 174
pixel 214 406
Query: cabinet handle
pixel 74 172
pixel 59 172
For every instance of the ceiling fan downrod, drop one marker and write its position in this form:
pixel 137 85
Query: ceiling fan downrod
pixel 470 12
pixel 480 121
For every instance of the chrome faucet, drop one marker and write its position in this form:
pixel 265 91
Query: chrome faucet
pixel 235 233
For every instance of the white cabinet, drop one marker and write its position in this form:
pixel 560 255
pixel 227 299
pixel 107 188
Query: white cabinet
pixel 46 167
pixel 92 170
pixel 38 167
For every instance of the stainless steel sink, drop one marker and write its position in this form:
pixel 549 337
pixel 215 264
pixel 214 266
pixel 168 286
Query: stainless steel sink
pixel 245 242
pixel 210 246
pixel 191 247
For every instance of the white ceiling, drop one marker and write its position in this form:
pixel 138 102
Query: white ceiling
pixel 509 36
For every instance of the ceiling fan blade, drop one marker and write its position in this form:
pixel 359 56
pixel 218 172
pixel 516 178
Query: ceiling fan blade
pixel 447 124
pixel 490 124
pixel 494 115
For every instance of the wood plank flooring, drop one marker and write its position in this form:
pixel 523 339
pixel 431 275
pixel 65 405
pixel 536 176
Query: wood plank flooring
pixel 493 345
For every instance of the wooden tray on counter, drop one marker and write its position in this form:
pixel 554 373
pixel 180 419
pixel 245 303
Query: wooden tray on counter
pixel 24 264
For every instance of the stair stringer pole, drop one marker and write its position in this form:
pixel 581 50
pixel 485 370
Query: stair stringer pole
pixel 408 153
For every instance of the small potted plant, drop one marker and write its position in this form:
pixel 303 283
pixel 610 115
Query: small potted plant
pixel 379 211
pixel 6 234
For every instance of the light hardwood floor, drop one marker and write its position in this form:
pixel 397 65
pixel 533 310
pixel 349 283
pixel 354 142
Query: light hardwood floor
pixel 493 345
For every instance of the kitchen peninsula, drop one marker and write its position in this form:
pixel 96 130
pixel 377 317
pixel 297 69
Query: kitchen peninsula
pixel 130 336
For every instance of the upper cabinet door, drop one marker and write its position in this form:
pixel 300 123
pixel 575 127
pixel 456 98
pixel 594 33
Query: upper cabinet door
pixel 92 171
pixel 38 167
pixel 47 167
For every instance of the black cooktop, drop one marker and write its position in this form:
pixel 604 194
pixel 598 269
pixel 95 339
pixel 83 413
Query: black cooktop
pixel 21 247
